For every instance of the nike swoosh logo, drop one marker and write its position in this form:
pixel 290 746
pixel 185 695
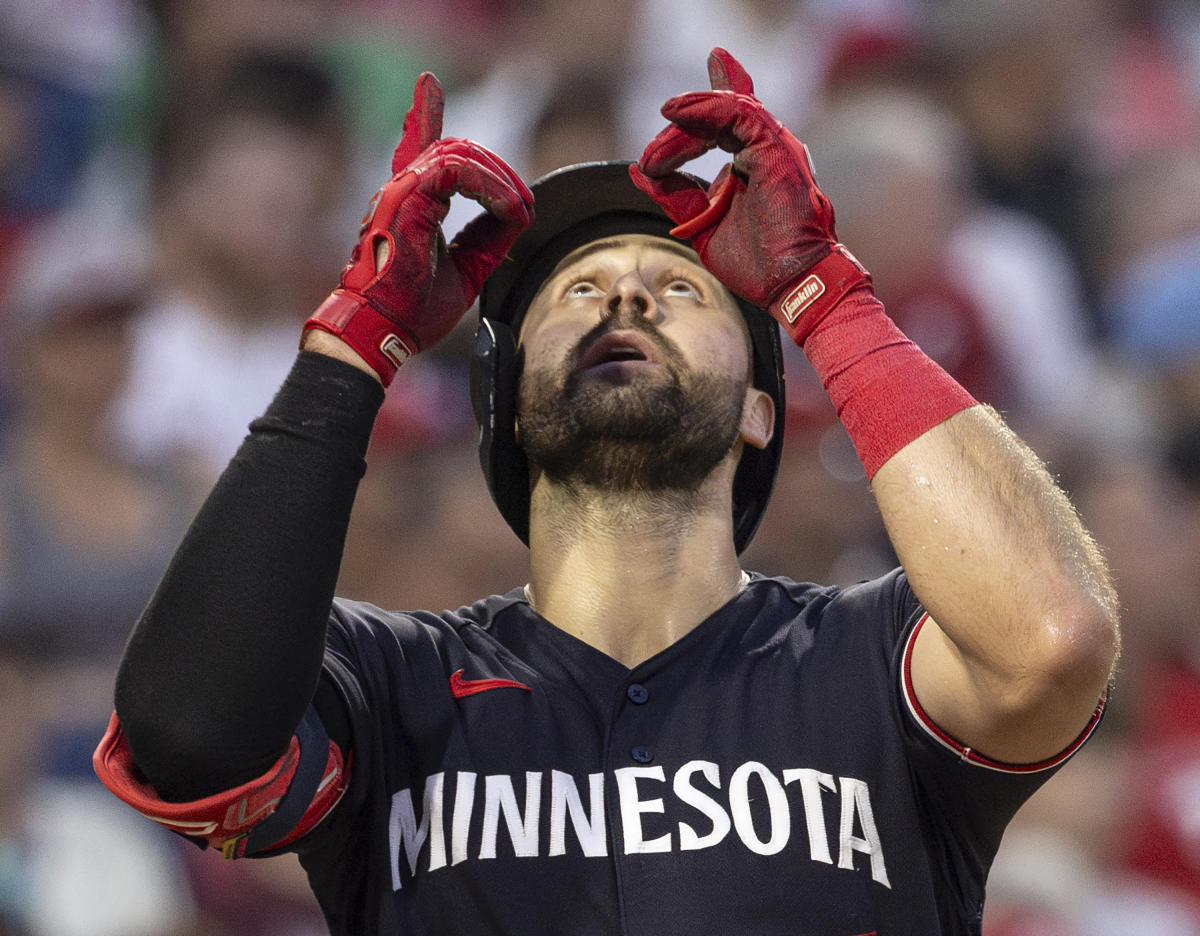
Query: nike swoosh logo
pixel 461 688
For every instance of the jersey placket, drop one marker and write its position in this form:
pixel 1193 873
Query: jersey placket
pixel 635 798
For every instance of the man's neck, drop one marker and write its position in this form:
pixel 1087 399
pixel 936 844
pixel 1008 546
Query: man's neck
pixel 630 575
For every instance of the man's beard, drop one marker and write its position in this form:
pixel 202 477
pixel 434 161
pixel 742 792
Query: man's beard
pixel 655 434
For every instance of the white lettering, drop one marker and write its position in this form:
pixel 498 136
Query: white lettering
pixel 856 801
pixel 702 802
pixel 755 805
pixel 433 817
pixel 460 823
pixel 589 826
pixel 499 798
pixel 632 809
pixel 777 804
pixel 802 297
pixel 403 828
pixel 811 784
pixel 395 349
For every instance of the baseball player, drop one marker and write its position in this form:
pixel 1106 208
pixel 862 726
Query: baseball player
pixel 645 738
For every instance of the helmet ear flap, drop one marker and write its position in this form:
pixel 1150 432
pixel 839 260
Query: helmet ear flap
pixel 494 400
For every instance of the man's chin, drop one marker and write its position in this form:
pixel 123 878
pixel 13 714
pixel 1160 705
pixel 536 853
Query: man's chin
pixel 616 448
pixel 628 428
pixel 622 467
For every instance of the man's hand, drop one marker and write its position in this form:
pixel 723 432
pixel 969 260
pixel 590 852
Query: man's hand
pixel 404 288
pixel 763 227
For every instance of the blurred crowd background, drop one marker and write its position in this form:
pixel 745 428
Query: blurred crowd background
pixel 182 180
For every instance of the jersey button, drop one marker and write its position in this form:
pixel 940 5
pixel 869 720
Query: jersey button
pixel 642 754
pixel 638 693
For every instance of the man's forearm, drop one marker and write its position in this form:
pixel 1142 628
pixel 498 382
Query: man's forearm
pixel 223 662
pixel 997 555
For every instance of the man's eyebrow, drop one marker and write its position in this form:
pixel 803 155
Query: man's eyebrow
pixel 609 243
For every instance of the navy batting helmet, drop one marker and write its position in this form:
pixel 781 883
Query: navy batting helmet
pixel 574 206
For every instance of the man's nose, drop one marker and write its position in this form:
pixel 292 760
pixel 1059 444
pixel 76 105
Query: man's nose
pixel 629 296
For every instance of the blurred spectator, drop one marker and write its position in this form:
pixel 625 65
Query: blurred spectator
pixel 1162 818
pixel 1144 505
pixel 247 176
pixel 85 533
pixel 62 871
pixel 1151 218
pixel 45 131
pixel 461 33
pixel 787 44
pixel 20 735
pixel 580 121
pixel 207 36
pixel 1020 75
pixel 85 530
pixel 893 164
pixel 1153 311
pixel 1144 105
pixel 544 52
pixel 375 52
pixel 58 65
pixel 185 50
pixel 989 292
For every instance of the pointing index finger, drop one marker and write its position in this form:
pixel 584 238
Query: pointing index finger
pixel 725 73
pixel 422 123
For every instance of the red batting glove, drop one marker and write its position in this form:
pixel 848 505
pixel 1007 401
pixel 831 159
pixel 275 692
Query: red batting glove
pixel 424 286
pixel 763 227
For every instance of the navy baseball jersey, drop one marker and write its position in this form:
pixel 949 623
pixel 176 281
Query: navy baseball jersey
pixel 771 772
pixel 768 773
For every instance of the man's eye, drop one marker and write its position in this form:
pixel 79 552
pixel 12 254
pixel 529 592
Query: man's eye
pixel 681 288
pixel 582 290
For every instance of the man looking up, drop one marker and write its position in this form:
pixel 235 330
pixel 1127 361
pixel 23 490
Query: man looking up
pixel 645 738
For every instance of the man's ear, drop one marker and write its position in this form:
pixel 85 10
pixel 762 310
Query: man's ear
pixel 758 418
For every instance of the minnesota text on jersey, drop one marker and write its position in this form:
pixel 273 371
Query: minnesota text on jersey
pixel 656 813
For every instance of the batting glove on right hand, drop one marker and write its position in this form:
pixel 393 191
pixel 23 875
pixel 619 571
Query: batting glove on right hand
pixel 763 227
pixel 421 286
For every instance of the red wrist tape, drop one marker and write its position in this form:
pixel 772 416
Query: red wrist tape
pixel 375 338
pixel 886 390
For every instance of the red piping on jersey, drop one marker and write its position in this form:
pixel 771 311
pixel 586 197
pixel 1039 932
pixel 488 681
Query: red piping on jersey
pixel 461 688
pixel 974 757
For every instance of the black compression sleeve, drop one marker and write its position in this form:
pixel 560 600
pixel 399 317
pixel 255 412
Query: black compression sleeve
pixel 222 664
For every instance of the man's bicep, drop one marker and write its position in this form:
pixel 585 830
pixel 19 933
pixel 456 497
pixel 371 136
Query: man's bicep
pixel 988 716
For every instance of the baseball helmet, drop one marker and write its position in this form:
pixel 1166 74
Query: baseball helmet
pixel 574 206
